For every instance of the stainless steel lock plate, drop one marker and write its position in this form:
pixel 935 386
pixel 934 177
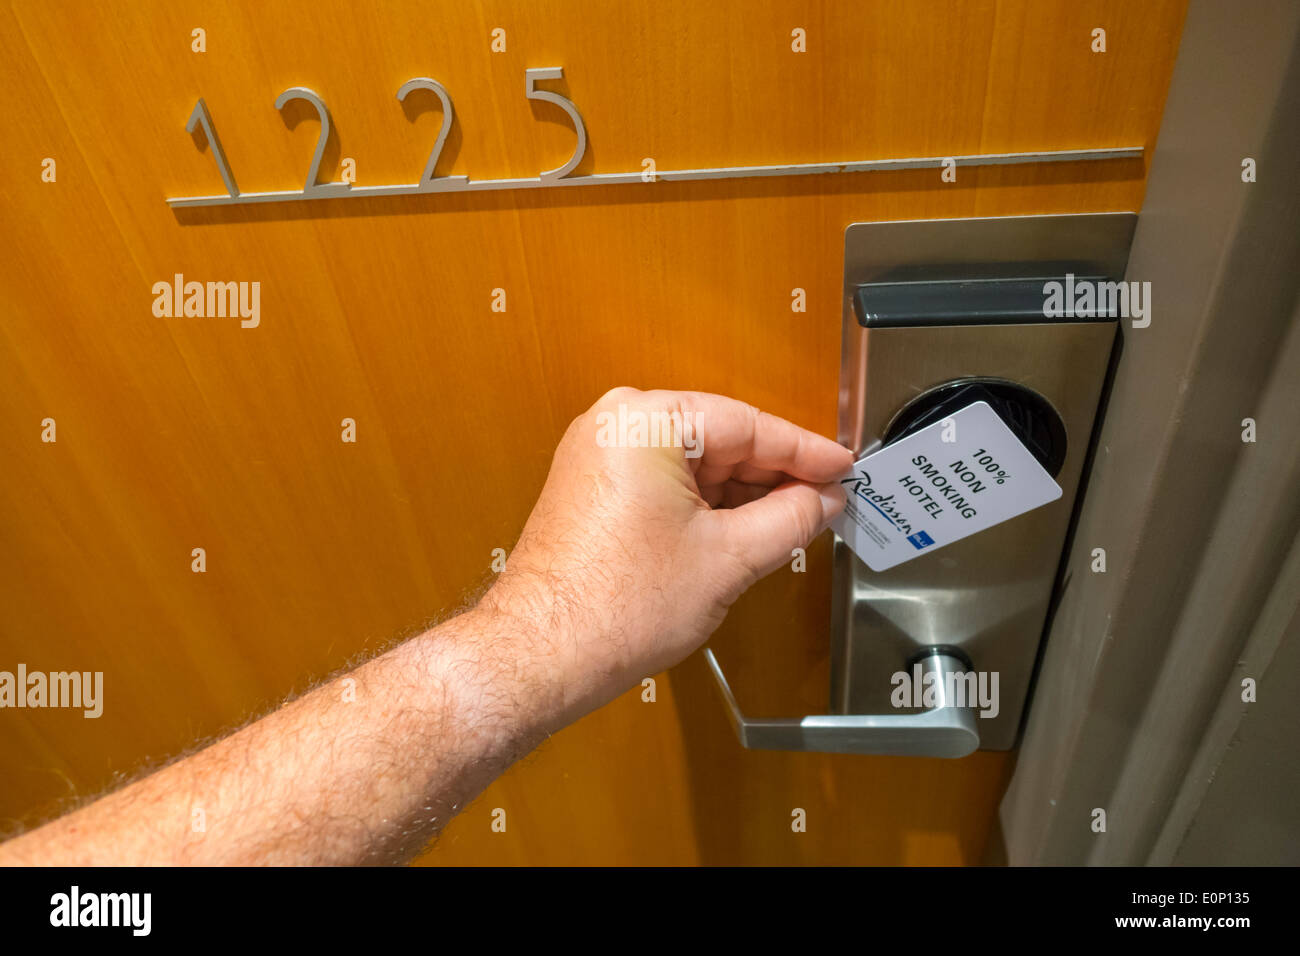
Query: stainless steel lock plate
pixel 936 313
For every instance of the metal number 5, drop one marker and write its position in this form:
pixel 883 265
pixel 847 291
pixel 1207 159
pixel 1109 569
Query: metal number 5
pixel 533 93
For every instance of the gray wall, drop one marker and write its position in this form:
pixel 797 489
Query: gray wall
pixel 1137 704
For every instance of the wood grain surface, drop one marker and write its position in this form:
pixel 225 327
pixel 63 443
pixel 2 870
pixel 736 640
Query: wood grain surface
pixel 180 433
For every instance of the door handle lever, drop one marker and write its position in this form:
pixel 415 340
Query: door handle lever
pixel 945 730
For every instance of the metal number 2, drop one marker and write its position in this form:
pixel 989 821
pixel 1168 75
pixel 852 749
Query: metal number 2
pixel 448 117
pixel 302 93
pixel 533 93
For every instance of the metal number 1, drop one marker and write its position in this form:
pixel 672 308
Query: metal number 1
pixel 201 117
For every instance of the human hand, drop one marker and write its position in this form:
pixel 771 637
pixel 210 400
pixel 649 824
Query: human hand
pixel 628 562
pixel 633 553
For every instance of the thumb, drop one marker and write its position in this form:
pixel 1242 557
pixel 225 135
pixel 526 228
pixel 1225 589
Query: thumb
pixel 764 532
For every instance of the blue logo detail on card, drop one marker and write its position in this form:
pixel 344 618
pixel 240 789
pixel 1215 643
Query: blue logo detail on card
pixel 920 540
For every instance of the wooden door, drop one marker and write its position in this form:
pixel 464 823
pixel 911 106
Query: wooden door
pixel 182 433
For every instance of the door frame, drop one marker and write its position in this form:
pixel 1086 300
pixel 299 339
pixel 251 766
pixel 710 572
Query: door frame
pixel 1138 696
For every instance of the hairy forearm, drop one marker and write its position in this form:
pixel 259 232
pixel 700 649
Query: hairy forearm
pixel 629 560
pixel 363 769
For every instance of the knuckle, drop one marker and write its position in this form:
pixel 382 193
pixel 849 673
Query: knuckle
pixel 620 393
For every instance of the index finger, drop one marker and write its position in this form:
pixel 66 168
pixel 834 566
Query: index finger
pixel 731 433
